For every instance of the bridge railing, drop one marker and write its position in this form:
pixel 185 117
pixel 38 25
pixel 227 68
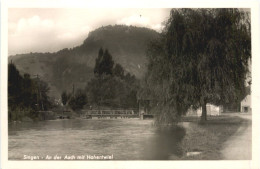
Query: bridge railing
pixel 111 112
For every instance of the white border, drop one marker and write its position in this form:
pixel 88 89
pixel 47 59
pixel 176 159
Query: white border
pixel 254 5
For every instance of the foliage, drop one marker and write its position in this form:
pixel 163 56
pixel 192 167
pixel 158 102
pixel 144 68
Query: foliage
pixel 77 101
pixel 104 63
pixel 111 87
pixel 110 91
pixel 202 57
pixel 28 91
pixel 43 98
pixel 64 98
pixel 118 71
pixel 25 95
pixel 14 86
pixel 74 101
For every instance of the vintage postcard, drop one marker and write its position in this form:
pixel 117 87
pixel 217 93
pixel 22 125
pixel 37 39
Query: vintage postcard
pixel 150 85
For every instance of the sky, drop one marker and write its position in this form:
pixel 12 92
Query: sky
pixel 52 29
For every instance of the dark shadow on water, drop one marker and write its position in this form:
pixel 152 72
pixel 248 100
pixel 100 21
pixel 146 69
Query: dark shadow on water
pixel 165 144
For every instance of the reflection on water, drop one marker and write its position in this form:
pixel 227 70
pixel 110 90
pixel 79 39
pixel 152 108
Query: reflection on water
pixel 126 139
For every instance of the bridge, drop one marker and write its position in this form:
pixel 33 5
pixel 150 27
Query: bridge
pixel 131 113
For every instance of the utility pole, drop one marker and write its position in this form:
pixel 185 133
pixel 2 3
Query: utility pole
pixel 39 94
pixel 73 90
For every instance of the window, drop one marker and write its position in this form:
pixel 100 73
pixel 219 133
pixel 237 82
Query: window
pixel 245 109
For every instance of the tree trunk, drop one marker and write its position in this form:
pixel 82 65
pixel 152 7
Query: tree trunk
pixel 204 113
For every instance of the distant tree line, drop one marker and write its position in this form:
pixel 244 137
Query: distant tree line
pixel 111 87
pixel 26 96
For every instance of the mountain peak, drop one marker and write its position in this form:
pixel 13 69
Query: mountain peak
pixel 126 44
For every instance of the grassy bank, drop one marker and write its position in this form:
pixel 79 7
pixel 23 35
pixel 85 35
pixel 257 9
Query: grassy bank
pixel 209 137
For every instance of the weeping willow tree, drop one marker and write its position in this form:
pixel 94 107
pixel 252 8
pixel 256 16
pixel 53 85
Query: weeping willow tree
pixel 201 57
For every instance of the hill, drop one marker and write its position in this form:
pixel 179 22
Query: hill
pixel 62 69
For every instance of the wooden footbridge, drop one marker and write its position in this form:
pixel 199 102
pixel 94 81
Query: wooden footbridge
pixel 89 114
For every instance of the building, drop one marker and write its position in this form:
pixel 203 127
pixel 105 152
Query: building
pixel 245 106
pixel 212 110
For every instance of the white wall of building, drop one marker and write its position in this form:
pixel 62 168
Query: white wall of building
pixel 246 104
pixel 212 110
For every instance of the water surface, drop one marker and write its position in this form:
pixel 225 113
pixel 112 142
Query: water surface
pixel 125 139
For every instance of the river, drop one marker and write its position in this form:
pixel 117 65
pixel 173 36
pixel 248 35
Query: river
pixel 121 139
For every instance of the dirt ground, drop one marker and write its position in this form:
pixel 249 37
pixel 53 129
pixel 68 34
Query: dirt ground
pixel 239 146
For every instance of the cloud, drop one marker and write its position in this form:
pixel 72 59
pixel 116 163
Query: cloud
pixel 142 21
pixel 158 27
pixel 137 20
pixel 30 25
pixel 35 34
pixel 52 29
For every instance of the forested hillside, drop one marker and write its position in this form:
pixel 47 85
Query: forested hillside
pixel 127 45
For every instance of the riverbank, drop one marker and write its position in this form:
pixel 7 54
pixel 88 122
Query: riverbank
pixel 206 142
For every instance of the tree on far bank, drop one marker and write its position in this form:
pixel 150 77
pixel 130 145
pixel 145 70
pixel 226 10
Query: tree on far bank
pixel 44 99
pixel 14 85
pixel 110 87
pixel 64 98
pixel 118 71
pixel 104 63
pixel 78 100
pixel 29 91
pixel 202 57
pixel 97 68
pixel 26 96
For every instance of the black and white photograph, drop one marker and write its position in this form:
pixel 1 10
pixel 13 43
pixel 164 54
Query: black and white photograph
pixel 129 84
